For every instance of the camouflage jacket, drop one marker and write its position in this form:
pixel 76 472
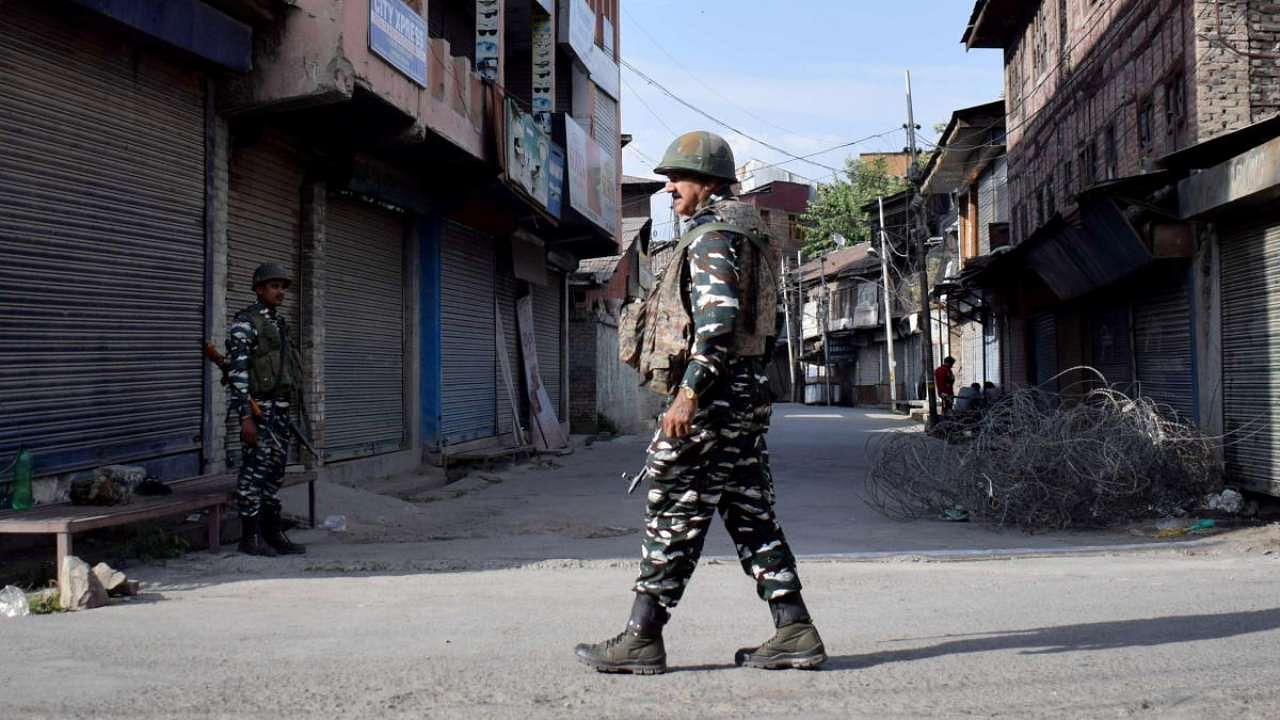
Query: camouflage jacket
pixel 263 365
pixel 715 300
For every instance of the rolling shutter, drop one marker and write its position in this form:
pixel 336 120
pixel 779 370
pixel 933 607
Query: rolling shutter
pixel 364 351
pixel 467 330
pixel 263 225
pixel 868 368
pixel 508 290
pixel 1044 342
pixel 1251 354
pixel 991 349
pixel 1163 349
pixel 1109 340
pixel 102 200
pixel 548 319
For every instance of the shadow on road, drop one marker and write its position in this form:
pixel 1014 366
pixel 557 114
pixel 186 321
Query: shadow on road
pixel 1075 638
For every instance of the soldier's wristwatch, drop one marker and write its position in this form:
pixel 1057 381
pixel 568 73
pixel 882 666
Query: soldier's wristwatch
pixel 688 392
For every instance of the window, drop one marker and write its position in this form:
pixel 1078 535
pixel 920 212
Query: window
pixel 1090 163
pixel 1040 43
pixel 1049 205
pixel 1109 153
pixel 1068 179
pixel 1175 102
pixel 1040 214
pixel 1082 168
pixel 1146 118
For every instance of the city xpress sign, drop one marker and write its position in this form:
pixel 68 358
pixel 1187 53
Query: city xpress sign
pixel 535 164
pixel 398 35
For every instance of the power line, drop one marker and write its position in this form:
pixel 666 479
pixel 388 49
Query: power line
pixel 699 80
pixel 639 73
pixel 655 115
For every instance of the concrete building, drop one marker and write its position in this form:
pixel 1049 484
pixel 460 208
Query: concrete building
pixel 604 394
pixel 1140 166
pixel 970 165
pixel 419 167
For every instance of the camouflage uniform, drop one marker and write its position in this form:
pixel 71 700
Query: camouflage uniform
pixel 262 467
pixel 723 465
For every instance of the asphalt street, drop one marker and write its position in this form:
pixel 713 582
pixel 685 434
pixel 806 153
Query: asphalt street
pixel 466 601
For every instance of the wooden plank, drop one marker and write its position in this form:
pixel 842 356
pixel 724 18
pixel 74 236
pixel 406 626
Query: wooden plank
pixel 108 517
pixel 547 435
pixel 500 339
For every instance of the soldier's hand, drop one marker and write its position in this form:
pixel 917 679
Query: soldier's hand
pixel 249 432
pixel 677 421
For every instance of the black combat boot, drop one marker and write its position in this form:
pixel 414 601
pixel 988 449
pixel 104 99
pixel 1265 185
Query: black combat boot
pixel 273 534
pixel 251 542
pixel 796 644
pixel 638 649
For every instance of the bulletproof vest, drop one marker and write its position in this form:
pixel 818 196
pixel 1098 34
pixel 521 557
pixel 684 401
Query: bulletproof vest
pixel 655 335
pixel 274 367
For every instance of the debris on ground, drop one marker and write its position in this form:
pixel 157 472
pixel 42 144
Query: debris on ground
pixel 1033 462
pixel 80 587
pixel 335 523
pixel 1228 501
pixel 13 603
pixel 116 583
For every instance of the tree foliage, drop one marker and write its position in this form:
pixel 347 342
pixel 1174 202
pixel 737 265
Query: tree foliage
pixel 837 209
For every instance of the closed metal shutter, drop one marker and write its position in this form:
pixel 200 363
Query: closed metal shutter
pixel 102 199
pixel 1164 352
pixel 1251 353
pixel 467 348
pixel 264 224
pixel 548 319
pixel 1045 344
pixel 364 350
pixel 868 370
pixel 1109 346
pixel 1014 354
pixel 604 125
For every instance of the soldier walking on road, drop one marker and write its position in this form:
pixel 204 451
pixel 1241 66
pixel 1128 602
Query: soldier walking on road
pixel 264 367
pixel 702 337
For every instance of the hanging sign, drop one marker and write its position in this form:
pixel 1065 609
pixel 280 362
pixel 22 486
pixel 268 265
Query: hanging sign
pixel 488 24
pixel 398 34
pixel 592 177
pixel 535 164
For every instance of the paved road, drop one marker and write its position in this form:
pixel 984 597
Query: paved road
pixel 469 606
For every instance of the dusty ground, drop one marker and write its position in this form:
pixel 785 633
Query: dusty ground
pixel 466 601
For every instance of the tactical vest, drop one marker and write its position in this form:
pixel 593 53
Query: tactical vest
pixel 274 366
pixel 655 335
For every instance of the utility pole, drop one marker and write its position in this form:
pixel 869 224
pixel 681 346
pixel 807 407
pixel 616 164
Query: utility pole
pixel 912 229
pixel 826 325
pixel 888 313
pixel 786 314
pixel 798 312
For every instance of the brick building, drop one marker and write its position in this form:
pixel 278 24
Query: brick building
pixel 1143 166
pixel 1098 90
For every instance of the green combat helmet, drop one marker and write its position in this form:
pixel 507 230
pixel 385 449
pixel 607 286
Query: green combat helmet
pixel 700 152
pixel 271 271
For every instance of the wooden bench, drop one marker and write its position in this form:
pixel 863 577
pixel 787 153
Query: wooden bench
pixel 208 492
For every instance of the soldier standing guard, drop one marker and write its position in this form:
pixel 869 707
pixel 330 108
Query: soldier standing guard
pixel 264 367
pixel 702 336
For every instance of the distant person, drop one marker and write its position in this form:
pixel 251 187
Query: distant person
pixel 991 393
pixel 944 379
pixel 969 399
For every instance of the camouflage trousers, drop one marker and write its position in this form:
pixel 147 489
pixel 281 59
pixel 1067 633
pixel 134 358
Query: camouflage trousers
pixel 262 467
pixel 723 466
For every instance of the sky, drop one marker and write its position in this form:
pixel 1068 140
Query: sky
pixel 802 75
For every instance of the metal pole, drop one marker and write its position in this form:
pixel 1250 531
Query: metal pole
pixel 923 258
pixel 786 314
pixel 826 318
pixel 798 311
pixel 888 313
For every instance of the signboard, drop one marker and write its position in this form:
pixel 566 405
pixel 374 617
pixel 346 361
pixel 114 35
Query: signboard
pixel 605 72
pixel 488 24
pixel 535 164
pixel 548 5
pixel 544 88
pixel 578 27
pixel 592 178
pixel 398 35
